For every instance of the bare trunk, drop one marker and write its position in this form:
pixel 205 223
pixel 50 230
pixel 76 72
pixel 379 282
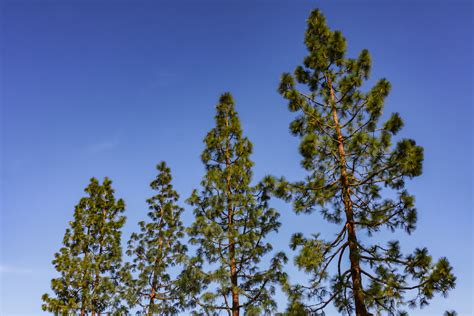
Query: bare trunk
pixel 357 289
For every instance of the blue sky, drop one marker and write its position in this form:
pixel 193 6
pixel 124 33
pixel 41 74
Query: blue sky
pixel 110 88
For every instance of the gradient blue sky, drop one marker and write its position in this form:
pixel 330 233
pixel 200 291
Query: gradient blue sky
pixel 110 88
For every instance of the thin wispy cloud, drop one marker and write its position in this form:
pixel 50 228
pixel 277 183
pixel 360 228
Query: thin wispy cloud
pixel 9 269
pixel 157 81
pixel 103 146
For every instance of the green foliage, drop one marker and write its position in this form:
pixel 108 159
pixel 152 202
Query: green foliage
pixel 155 249
pixel 91 255
pixel 355 177
pixel 232 220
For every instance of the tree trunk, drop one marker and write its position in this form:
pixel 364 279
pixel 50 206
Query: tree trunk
pixel 151 304
pixel 357 289
pixel 233 276
pixel 97 272
pixel 230 219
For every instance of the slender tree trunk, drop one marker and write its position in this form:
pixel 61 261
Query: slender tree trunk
pixel 233 276
pixel 151 304
pixel 97 272
pixel 83 305
pixel 96 284
pixel 230 219
pixel 85 250
pixel 357 289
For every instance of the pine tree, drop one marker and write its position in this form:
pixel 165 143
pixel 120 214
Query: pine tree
pixel 155 249
pixel 90 257
pixel 356 178
pixel 232 220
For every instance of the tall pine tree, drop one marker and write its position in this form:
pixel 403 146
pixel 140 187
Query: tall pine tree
pixel 157 248
pixel 91 255
pixel 232 221
pixel 356 178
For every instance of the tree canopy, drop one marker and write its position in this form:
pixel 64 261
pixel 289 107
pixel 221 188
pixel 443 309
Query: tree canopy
pixel 233 219
pixel 91 256
pixel 156 249
pixel 356 175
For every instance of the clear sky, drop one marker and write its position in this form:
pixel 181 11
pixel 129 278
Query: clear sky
pixel 110 88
